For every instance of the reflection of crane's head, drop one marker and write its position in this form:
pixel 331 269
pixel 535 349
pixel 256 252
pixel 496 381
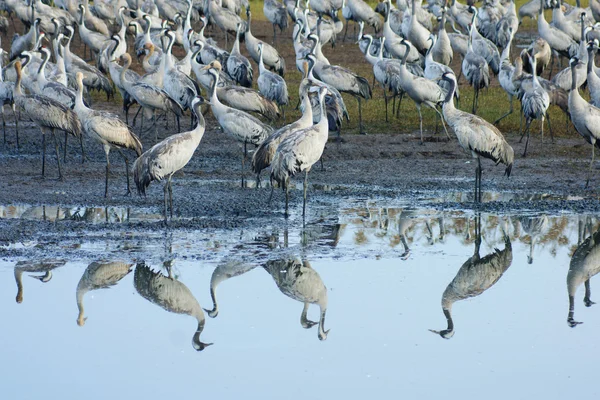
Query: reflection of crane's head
pixel 446 333
pixel 529 260
pixel 81 320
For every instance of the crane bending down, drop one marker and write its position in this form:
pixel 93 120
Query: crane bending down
pixel 300 151
pixel 48 114
pixel 171 295
pixel 477 136
pixel 169 156
pixel 108 129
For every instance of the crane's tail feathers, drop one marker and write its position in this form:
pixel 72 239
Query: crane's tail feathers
pixel 141 174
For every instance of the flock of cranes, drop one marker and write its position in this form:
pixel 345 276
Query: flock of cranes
pixel 296 278
pixel 410 51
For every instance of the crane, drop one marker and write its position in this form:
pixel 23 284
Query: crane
pixel 476 136
pixel 535 103
pixel 240 125
pixel 48 114
pixel 238 67
pixel 271 85
pixel 108 129
pixel 299 151
pixel 225 270
pixel 585 117
pixel 169 156
pixel 277 14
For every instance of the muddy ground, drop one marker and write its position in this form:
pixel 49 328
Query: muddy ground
pixel 384 167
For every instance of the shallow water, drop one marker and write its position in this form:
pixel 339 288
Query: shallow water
pixel 385 271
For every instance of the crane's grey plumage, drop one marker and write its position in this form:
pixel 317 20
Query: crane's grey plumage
pixel 224 271
pixel 238 67
pixel 271 85
pixel 535 103
pixel 540 49
pixel 93 39
pixel 171 295
pixel 264 154
pixel 585 264
pixel 507 26
pixel 46 266
pixel 224 18
pixel 299 151
pixel 558 40
pixel 361 11
pixel 435 70
pixel 48 114
pixel 417 34
pixel 99 275
pixel 385 71
pixel 114 70
pixel 477 136
pixel 169 156
pixel 271 56
pixel 108 129
pixel 299 281
pixel 277 14
pixel 585 116
pixel 505 78
pixel 474 277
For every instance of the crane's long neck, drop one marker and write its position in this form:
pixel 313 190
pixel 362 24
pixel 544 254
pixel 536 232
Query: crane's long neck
pixel 261 64
pixel 307 114
pixel 168 57
pixel 213 93
pixel 188 18
pixel 17 89
pixel 323 121
pixel 591 62
pixel 574 80
pixel 41 73
pixel 122 76
pixel 370 58
pixel 198 131
pixel 79 105
pixel 323 309
pixel 236 44
pixel 448 106
pixel 213 295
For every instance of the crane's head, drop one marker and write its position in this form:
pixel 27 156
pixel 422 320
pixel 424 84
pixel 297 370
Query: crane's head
pixel 573 61
pixel 445 334
pixel 449 77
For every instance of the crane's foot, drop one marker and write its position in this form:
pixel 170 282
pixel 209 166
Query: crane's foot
pixel 588 302
pixel 572 323
pixel 127 193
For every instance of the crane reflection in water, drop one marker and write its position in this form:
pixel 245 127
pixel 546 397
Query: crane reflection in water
pixel 46 266
pixel 585 263
pixel 99 275
pixel 171 295
pixel 475 276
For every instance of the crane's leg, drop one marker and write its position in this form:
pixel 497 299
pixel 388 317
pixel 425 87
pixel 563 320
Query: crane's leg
pixel 60 175
pixel 474 107
pixel 106 151
pixel 360 123
pixel 542 129
pixel 571 318
pixel 386 104
pixel 510 98
pixel 165 191
pixel 258 181
pixel 82 149
pixel 136 115
pixel 346 31
pixel 527 125
pixel 274 34
pixel 171 197
pixel 272 190
pixel 588 293
pixel 126 172
pixel 479 180
pixel 587 182
pixel 243 162
pixel 287 196
pixel 305 189
pixel 520 125
pixel 550 127
pixel 3 124
pixel 65 148
pixel 43 154
pixel 155 123
pixel 16 124
pixel 420 122
pixel 322 167
pixel 399 104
